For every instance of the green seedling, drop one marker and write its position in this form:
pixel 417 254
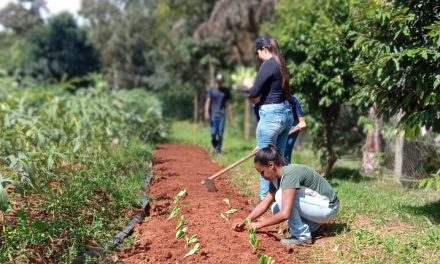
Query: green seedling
pixel 175 212
pixel 232 211
pixel 181 232
pixel 193 250
pixel 253 240
pixel 226 200
pixel 265 259
pixel 181 223
pixel 179 195
pixel 225 215
pixel 226 218
pixel 191 240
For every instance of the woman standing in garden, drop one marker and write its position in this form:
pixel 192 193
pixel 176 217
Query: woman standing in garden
pixel 271 92
pixel 299 123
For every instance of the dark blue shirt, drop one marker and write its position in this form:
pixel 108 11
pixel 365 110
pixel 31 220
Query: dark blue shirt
pixel 296 109
pixel 269 83
pixel 219 97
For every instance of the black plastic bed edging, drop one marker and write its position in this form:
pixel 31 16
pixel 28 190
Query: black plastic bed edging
pixel 128 230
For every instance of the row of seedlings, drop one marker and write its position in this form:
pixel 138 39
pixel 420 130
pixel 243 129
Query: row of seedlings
pixel 182 227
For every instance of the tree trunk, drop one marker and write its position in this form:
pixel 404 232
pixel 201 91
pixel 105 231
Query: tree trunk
pixel 115 78
pixel 330 118
pixel 373 144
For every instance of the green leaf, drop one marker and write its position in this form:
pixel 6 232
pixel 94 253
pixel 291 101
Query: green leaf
pixel 182 193
pixel 437 81
pixel 179 195
pixel 191 240
pixel 194 250
pixel 181 232
pixel 4 199
pixel 76 144
pixel 265 259
pixel 232 211
pixel 181 223
pixel 226 200
pixel 50 162
pixel 397 63
pixel 224 217
pixel 175 212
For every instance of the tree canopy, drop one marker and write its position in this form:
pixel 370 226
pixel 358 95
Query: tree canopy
pixel 60 49
pixel 399 59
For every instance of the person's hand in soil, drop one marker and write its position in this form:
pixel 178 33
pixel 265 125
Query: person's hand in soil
pixel 238 225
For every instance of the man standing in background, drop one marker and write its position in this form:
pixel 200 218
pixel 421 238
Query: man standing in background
pixel 217 100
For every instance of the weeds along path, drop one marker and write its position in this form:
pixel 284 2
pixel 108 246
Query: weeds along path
pixel 178 167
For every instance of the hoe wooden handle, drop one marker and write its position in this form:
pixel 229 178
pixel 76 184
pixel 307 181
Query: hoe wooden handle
pixel 233 165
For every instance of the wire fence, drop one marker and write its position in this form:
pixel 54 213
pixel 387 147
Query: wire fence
pixel 412 159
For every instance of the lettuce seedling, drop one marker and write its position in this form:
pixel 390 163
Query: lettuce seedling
pixel 181 223
pixel 265 259
pixel 226 200
pixel 253 240
pixel 191 240
pixel 181 232
pixel 179 195
pixel 193 250
pixel 175 212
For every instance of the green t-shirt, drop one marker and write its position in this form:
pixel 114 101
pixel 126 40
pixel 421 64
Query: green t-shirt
pixel 296 176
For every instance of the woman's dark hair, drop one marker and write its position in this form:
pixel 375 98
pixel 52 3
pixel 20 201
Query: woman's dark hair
pixel 272 46
pixel 270 153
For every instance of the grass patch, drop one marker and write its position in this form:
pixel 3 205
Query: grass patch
pixel 379 221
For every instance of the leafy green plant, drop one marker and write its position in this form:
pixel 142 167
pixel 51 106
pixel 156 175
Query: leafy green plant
pixel 4 198
pixel 226 200
pixel 67 153
pixel 225 215
pixel 179 196
pixel 175 212
pixel 265 259
pixel 431 183
pixel 191 240
pixel 181 232
pixel 253 240
pixel 194 250
pixel 181 223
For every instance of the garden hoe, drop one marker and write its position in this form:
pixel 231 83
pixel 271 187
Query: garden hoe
pixel 209 182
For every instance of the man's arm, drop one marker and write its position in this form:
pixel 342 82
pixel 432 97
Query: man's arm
pixel 207 106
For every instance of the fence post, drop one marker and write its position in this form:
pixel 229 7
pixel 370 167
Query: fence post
pixel 398 158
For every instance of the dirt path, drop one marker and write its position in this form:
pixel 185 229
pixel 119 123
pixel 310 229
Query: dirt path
pixel 184 166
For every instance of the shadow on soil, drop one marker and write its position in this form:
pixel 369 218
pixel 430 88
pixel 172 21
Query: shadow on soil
pixel 348 174
pixel 327 230
pixel 431 211
pixel 332 230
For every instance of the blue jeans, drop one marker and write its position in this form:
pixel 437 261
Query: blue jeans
pixel 291 139
pixel 217 128
pixel 308 214
pixel 273 128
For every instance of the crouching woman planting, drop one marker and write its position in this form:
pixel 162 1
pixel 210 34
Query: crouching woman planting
pixel 297 194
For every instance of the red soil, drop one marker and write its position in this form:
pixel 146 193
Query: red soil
pixel 184 166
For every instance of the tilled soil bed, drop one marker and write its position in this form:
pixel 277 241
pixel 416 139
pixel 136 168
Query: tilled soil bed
pixel 179 167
